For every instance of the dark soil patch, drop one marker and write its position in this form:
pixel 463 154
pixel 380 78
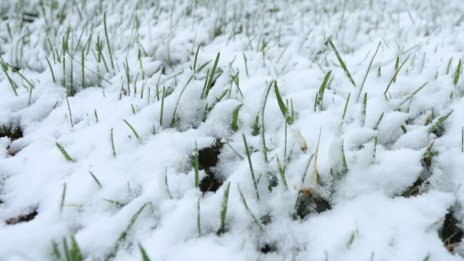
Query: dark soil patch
pixel 208 159
pixel 309 202
pixel 268 248
pixel 451 233
pixel 12 132
pixel 422 182
pixel 22 218
pixel 416 188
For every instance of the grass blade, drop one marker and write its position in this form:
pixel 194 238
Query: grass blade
pixel 123 235
pixel 64 152
pixel 340 60
pixel 113 149
pixel 439 124
pixel 247 150
pixel 346 106
pixel 13 84
pixel 108 41
pixel 209 83
pixel 234 125
pixel 63 197
pixel 282 173
pixel 245 204
pixel 196 165
pixel 198 217
pixel 223 214
pixel 320 94
pixel 457 73
pixel 173 118
pixel 315 179
pixel 133 130
pixel 396 73
pixel 367 72
pixel 282 106
pixel 143 254
pixel 70 114
pixel 95 179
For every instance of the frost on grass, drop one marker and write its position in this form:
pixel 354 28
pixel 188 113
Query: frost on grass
pixel 231 130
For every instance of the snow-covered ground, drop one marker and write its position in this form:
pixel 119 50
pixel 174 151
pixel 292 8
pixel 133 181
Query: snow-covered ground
pixel 231 130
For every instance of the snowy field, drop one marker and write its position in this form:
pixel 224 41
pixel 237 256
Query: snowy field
pixel 231 130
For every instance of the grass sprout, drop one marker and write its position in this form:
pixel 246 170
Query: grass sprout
pixel 64 152
pixel 123 235
pixel 133 130
pixel 143 253
pixel 283 108
pixel 250 164
pixel 223 214
pixel 342 63
pixel 320 93
pixel 245 204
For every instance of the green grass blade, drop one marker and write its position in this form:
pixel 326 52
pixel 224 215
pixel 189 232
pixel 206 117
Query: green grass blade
pixel 113 148
pixel 95 179
pixel 234 125
pixel 196 166
pixel 245 204
pixel 209 83
pixel 439 123
pixel 173 118
pixel 346 106
pixel 70 114
pixel 51 69
pixel 195 59
pixel 367 72
pixel 320 94
pixel 13 84
pixel 414 93
pixel 396 73
pixel 64 152
pixel 133 130
pixel 247 151
pixel 457 73
pixel 63 197
pixel 223 214
pixel 143 253
pixel 281 170
pixel 282 106
pixel 342 63
pixel 75 251
pixel 199 217
pixel 123 235
pixel 108 41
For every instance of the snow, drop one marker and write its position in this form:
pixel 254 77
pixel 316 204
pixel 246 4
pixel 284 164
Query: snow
pixel 130 179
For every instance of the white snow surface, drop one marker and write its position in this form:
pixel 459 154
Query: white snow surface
pixel 128 108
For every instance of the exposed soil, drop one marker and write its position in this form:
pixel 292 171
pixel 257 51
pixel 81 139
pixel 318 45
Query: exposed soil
pixel 22 218
pixel 451 233
pixel 309 202
pixel 208 159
